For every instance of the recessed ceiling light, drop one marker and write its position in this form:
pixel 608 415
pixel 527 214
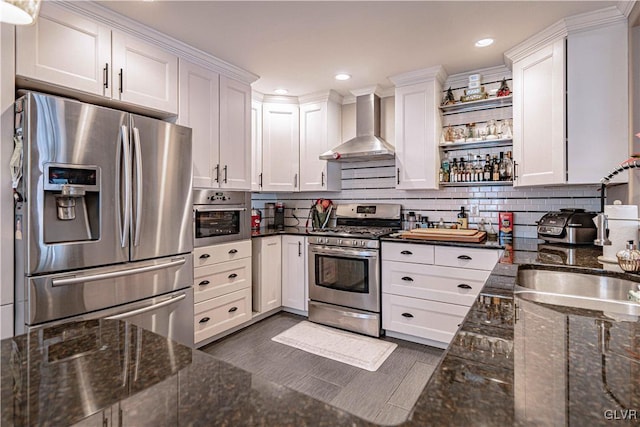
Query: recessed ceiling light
pixel 484 42
pixel 281 91
pixel 343 76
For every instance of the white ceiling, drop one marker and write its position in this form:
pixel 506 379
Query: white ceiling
pixel 301 45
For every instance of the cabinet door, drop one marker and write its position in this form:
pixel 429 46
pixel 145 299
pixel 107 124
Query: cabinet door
pixel 280 147
pixel 417 135
pixel 144 74
pixel 320 125
pixel 65 49
pixel 235 134
pixel 294 276
pixel 267 273
pixel 199 93
pixel 256 146
pixel 539 116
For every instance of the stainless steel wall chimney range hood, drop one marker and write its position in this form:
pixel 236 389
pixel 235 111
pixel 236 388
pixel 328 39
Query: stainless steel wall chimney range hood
pixel 367 145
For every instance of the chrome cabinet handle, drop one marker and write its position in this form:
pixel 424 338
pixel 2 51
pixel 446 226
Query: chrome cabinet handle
pixel 120 77
pixel 407 279
pixel 322 180
pixel 464 286
pixel 515 174
pixel 295 181
pixel 204 256
pixel 465 257
pixel 204 320
pixel 398 176
pixel 260 180
pixel 106 76
pixel 299 249
pixel 217 173
pixel 407 315
pixel 406 253
pixel 204 283
pixel 233 251
pixel 225 174
pixel 232 309
pixel 232 276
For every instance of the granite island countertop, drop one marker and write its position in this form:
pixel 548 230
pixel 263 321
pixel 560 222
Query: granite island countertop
pixel 512 362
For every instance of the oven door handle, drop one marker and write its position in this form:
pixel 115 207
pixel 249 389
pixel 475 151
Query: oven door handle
pixel 351 253
pixel 220 209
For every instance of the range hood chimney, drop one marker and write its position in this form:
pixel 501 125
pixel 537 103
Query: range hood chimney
pixel 367 145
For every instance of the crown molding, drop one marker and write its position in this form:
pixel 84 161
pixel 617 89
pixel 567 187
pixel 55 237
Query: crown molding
pixel 257 96
pixel 420 76
pixel 366 91
pixel 625 7
pixel 349 99
pixel 127 25
pixel 571 25
pixel 387 92
pixel 323 96
pixel 280 99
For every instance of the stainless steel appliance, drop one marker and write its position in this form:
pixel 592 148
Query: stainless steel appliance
pixel 220 216
pixel 344 267
pixel 103 217
pixel 570 226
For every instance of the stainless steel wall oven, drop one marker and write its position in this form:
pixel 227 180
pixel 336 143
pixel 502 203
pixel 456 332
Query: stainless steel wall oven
pixel 220 216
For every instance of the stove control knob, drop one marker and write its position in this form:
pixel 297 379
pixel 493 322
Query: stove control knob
pixel 339 241
pixel 362 243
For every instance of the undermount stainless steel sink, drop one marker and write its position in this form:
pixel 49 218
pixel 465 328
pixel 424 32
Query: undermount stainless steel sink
pixel 605 293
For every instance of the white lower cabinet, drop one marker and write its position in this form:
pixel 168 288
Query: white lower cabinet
pixel 294 272
pixel 427 290
pixel 222 288
pixel 267 273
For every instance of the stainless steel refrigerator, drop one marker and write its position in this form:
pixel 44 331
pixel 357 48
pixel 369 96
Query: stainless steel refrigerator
pixel 103 217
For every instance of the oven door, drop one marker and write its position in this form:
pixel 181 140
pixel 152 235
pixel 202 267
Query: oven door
pixel 213 225
pixel 345 276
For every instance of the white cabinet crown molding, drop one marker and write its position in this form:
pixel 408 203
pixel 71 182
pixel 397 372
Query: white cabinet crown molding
pixel 257 96
pixel 122 23
pixel 570 25
pixel 280 99
pixel 625 7
pixel 324 96
pixel 419 76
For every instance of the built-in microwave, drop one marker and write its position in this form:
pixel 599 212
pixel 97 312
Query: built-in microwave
pixel 220 216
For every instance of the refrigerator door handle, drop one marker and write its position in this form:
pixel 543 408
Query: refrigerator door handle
pixel 73 280
pixel 127 186
pixel 169 301
pixel 138 159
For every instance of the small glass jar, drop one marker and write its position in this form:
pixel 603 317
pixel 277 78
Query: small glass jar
pixel 629 258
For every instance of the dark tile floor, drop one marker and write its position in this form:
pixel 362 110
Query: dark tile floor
pixel 385 396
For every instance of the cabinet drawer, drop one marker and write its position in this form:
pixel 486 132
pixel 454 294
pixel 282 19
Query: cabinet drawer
pixel 219 279
pixel 421 318
pixel 221 253
pixel 479 259
pixel 432 282
pixel 407 252
pixel 216 315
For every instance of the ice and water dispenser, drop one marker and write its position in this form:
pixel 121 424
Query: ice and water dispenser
pixel 71 203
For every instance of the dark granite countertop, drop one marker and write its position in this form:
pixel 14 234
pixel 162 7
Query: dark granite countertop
pixel 512 362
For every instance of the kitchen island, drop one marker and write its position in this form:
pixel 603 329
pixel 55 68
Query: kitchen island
pixel 512 362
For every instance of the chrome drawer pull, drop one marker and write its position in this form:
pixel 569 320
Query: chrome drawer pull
pixel 204 256
pixel 232 309
pixel 233 251
pixel 204 320
pixel 406 253
pixel 408 315
pixel 232 276
pixel 464 286
pixel 407 279
pixel 465 257
pixel 203 283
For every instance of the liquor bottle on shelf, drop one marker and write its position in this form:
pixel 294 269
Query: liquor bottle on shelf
pixel 478 172
pixel 441 175
pixel 488 171
pixel 463 218
pixel 462 170
pixel 502 167
pixel 495 169
pixel 453 175
pixel 509 167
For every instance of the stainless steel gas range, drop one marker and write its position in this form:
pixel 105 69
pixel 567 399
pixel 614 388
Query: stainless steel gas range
pixel 344 267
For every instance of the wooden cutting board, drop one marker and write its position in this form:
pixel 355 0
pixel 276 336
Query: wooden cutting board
pixel 444 231
pixel 466 236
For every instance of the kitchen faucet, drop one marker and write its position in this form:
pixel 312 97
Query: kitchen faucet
pixel 601 219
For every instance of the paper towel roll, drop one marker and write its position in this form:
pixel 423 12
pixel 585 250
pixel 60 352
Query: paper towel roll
pixel 623 226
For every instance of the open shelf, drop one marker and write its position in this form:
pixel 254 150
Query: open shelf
pixel 482 104
pixel 490 143
pixel 477 184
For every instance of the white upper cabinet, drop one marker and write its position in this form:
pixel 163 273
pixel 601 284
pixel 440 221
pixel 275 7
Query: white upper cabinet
pixel 216 108
pixel 144 74
pixel 256 144
pixel 418 127
pixel 199 110
pixel 571 101
pixel 235 134
pixel 280 147
pixel 65 49
pixel 320 130
pixel 538 116
pixel 70 51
